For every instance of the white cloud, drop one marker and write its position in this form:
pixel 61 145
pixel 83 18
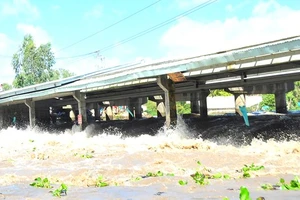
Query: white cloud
pixel 19 7
pixel 40 36
pixel 269 21
pixel 95 12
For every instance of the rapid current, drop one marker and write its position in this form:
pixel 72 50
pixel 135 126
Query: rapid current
pixel 124 153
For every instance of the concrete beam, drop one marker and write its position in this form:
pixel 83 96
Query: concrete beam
pixel 31 106
pixel 168 87
pixel 80 98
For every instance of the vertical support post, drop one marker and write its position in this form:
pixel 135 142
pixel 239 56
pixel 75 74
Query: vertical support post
pixel 31 106
pixel 135 108
pixel 160 109
pixel 130 109
pixel 1 118
pixel 97 111
pixel 280 102
pixel 168 87
pixel 195 107
pixel 203 103
pixel 239 100
pixel 109 115
pixel 80 98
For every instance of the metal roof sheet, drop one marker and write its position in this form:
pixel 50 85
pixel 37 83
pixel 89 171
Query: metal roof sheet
pixel 129 72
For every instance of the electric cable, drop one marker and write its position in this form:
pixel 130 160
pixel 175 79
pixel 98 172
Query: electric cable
pixel 129 16
pixel 202 5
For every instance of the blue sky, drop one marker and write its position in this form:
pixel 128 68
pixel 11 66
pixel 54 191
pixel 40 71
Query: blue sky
pixel 222 25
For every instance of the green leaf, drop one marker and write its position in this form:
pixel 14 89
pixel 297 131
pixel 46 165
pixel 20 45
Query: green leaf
pixel 181 182
pixel 244 193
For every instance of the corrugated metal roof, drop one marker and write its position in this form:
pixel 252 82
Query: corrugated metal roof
pixel 130 72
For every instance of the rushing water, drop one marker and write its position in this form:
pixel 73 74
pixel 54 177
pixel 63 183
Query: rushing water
pixel 120 156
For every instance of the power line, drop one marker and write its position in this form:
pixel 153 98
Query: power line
pixel 202 5
pixel 109 26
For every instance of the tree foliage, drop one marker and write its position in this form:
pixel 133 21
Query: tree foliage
pixel 151 108
pixel 6 86
pixel 33 65
pixel 293 97
pixel 268 100
pixel 219 92
pixel 183 108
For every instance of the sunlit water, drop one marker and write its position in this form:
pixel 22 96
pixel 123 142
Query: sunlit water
pixel 124 162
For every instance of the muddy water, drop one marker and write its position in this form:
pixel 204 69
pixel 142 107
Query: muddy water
pixel 124 162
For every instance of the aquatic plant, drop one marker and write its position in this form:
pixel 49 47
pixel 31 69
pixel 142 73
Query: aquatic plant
pixel 62 190
pixel 293 185
pixel 158 173
pixel 182 182
pixel 42 183
pixel 244 193
pixel 247 168
pixel 200 178
pixel 100 182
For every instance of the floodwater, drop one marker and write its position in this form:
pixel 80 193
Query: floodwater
pixel 124 160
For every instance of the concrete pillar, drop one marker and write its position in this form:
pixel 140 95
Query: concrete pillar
pixel 109 113
pixel 135 107
pixel 31 105
pixel 80 98
pixel 130 109
pixel 97 111
pixel 168 87
pixel 280 102
pixel 161 111
pixel 1 118
pixel 203 103
pixel 239 100
pixel 195 107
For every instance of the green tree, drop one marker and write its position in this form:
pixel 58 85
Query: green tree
pixel 151 108
pixel 293 97
pixel 33 65
pixel 6 86
pixel 219 92
pixel 62 73
pixel 268 100
pixel 183 108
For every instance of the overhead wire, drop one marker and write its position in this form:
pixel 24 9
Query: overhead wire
pixel 129 16
pixel 199 6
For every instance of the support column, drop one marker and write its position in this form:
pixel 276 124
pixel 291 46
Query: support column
pixel 109 113
pixel 168 87
pixel 31 105
pixel 239 100
pixel 280 102
pixel 130 109
pixel 97 111
pixel 1 118
pixel 135 106
pixel 80 98
pixel 195 107
pixel 161 111
pixel 203 103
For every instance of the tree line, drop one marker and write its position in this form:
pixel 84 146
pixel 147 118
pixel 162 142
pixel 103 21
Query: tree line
pixel 33 64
